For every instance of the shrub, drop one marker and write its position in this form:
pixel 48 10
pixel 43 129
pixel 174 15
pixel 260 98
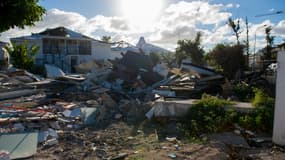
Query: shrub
pixel 23 56
pixel 207 115
pixel 243 91
pixel 262 99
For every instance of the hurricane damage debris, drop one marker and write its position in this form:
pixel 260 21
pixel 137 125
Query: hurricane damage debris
pixel 92 114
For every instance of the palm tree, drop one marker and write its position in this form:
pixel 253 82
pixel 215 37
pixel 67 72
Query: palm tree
pixel 235 28
pixel 106 39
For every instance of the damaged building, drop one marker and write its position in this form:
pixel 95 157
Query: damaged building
pixel 65 48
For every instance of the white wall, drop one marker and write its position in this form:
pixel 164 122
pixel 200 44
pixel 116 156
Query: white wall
pixel 279 115
pixel 102 51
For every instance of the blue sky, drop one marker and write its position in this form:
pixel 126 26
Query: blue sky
pixel 161 22
pixel 91 8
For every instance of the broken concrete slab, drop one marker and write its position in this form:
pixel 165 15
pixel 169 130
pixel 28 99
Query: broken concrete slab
pixel 19 145
pixel 53 71
pixel 161 69
pixel 178 108
pixel 88 115
pixel 18 93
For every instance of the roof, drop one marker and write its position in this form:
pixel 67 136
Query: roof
pixel 58 32
pixel 63 32
pixel 148 48
pixel 123 46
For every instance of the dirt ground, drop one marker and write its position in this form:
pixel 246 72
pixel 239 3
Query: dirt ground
pixel 144 141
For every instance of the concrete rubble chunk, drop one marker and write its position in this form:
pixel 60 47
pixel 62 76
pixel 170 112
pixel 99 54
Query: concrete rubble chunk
pixel 18 93
pixel 88 115
pixel 19 145
pixel 53 71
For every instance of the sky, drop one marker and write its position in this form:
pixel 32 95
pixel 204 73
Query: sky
pixel 162 22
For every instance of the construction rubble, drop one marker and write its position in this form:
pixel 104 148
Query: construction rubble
pixel 81 116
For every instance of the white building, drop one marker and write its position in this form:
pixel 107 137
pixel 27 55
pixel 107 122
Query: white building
pixel 150 48
pixel 65 48
pixel 141 46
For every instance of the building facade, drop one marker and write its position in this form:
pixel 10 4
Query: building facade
pixel 65 48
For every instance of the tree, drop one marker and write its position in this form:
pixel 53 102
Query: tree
pixel 230 58
pixel 269 44
pixel 235 27
pixel 19 13
pixel 190 49
pixel 23 56
pixel 106 39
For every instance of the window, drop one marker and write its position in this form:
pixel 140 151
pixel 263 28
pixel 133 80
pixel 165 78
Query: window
pixel 85 47
pixel 53 46
pixel 71 47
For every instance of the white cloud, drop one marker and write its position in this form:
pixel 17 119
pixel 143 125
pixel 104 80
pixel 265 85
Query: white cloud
pixel 180 20
pixel 279 29
pixel 271 10
pixel 229 5
pixel 54 18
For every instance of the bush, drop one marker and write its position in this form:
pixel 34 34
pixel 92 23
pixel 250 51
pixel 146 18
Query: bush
pixel 23 56
pixel 262 99
pixel 208 115
pixel 230 58
pixel 243 92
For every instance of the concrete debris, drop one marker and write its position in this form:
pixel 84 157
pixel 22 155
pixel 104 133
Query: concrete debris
pixel 62 113
pixel 161 69
pixel 53 71
pixel 19 145
pixel 18 93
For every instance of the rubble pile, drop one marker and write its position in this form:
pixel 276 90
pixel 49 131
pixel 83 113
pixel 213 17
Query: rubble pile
pixel 70 116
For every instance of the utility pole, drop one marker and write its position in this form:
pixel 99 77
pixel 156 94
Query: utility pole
pixel 247 43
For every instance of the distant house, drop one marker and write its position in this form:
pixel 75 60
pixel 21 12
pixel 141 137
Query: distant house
pixel 142 46
pixel 122 47
pixel 150 48
pixel 65 48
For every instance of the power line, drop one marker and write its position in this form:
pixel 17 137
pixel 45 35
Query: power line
pixel 268 14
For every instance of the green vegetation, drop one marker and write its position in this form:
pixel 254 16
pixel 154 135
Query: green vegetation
pixel 209 115
pixel 206 116
pixel 243 92
pixel 235 27
pixel 106 39
pixel 23 56
pixel 229 58
pixel 191 49
pixel 19 13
